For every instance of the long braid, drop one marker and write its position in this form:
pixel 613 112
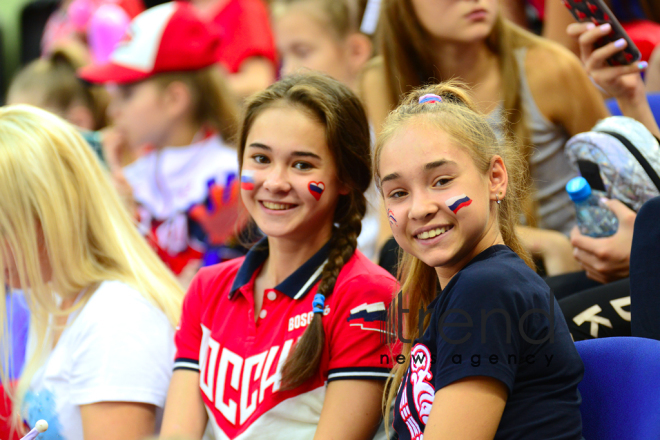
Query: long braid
pixel 304 361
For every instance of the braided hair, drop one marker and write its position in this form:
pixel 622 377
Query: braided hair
pixel 339 110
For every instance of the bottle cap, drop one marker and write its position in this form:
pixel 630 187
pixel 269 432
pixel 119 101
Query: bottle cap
pixel 578 189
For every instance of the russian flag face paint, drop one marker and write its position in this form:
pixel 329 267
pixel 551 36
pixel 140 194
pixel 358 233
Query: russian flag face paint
pixel 247 180
pixel 316 189
pixel 458 202
pixel 390 217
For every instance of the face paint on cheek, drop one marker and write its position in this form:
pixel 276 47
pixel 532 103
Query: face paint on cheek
pixel 247 180
pixel 458 202
pixel 316 189
pixel 390 217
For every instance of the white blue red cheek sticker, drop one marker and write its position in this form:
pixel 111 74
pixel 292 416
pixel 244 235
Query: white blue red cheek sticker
pixel 316 189
pixel 390 217
pixel 458 202
pixel 247 180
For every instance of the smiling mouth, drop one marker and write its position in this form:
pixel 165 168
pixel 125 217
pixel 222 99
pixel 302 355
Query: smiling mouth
pixel 278 206
pixel 433 233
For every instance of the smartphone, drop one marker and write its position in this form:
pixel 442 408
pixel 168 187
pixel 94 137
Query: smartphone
pixel 597 12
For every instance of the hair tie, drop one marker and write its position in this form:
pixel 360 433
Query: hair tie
pixel 430 98
pixel 317 304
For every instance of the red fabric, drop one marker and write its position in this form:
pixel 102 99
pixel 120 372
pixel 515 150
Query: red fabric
pixel 246 32
pixel 5 417
pixel 645 34
pixel 218 332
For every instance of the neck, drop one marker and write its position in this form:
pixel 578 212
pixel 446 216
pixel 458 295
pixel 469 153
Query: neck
pixel 285 255
pixel 471 62
pixel 490 237
pixel 181 134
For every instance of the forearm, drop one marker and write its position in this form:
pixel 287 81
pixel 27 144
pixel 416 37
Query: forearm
pixel 636 106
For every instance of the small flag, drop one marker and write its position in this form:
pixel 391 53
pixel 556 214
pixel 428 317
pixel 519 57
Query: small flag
pixel 458 202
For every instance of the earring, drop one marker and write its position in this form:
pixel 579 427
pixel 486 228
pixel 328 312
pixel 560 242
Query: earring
pixel 497 198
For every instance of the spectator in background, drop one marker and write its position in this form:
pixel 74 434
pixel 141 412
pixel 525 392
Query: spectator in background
pixel 247 49
pixel 178 103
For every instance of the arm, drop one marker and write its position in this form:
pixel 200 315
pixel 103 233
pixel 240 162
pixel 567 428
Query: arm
pixel 552 247
pixel 556 18
pixel 255 74
pixel 117 420
pixel 470 408
pixel 653 72
pixel 562 89
pixel 351 410
pixel 607 259
pixel 622 82
pixel 185 414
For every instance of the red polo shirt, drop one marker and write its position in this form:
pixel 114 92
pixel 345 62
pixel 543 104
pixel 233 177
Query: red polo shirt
pixel 239 361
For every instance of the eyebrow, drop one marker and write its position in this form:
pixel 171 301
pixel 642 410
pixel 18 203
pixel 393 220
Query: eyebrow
pixel 429 166
pixel 295 153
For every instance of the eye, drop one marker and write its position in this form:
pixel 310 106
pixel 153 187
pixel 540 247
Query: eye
pixel 397 194
pixel 442 181
pixel 302 166
pixel 260 158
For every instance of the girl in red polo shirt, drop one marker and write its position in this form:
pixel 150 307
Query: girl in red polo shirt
pixel 287 342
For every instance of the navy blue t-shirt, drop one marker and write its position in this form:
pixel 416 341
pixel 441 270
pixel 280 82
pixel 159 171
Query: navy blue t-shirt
pixel 497 318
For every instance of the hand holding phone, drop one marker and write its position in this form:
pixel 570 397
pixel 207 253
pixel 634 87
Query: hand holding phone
pixel 597 12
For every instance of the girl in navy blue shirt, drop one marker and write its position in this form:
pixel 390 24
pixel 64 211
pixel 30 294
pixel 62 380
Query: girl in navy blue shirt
pixel 490 356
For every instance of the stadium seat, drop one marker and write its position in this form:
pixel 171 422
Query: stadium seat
pixel 654 103
pixel 621 388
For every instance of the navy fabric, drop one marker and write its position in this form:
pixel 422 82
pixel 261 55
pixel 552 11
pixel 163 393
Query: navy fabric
pixel 644 273
pixel 621 388
pixel 467 336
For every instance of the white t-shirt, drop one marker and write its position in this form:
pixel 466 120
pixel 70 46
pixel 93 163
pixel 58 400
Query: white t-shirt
pixel 119 348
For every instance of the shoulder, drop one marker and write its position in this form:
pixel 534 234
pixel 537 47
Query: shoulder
pixel 501 279
pixel 559 65
pixel 361 276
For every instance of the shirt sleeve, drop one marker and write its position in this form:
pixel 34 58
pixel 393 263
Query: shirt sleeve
pixel 477 331
pixel 189 333
pixel 357 330
pixel 123 350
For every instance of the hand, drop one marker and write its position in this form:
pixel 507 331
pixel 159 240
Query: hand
pixel 221 216
pixel 622 82
pixel 607 259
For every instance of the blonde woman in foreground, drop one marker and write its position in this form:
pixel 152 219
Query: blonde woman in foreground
pixel 103 306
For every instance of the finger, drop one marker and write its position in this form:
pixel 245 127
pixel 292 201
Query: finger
pixel 584 242
pixel 576 29
pixel 198 213
pixel 587 259
pixel 596 276
pixel 590 37
pixel 599 56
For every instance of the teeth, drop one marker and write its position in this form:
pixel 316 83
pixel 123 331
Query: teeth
pixel 432 233
pixel 277 206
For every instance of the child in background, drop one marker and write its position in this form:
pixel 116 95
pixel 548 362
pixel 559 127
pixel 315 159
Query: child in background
pixel 324 35
pixel 454 194
pixel 247 50
pixel 426 41
pixel 103 307
pixel 51 83
pixel 304 153
pixel 171 96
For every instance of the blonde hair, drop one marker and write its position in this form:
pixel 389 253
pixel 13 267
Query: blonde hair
pixel 212 101
pixel 342 17
pixel 53 83
pixel 409 63
pixel 57 205
pixel 457 116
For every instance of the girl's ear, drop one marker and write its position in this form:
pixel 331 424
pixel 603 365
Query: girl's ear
pixel 498 178
pixel 177 98
pixel 344 189
pixel 360 49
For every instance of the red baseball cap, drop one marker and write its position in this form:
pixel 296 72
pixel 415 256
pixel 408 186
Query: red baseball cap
pixel 167 38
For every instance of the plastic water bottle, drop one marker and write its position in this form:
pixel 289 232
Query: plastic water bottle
pixel 594 218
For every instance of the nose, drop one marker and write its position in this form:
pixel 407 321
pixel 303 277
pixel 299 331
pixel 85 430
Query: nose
pixel 277 181
pixel 288 66
pixel 422 206
pixel 113 108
